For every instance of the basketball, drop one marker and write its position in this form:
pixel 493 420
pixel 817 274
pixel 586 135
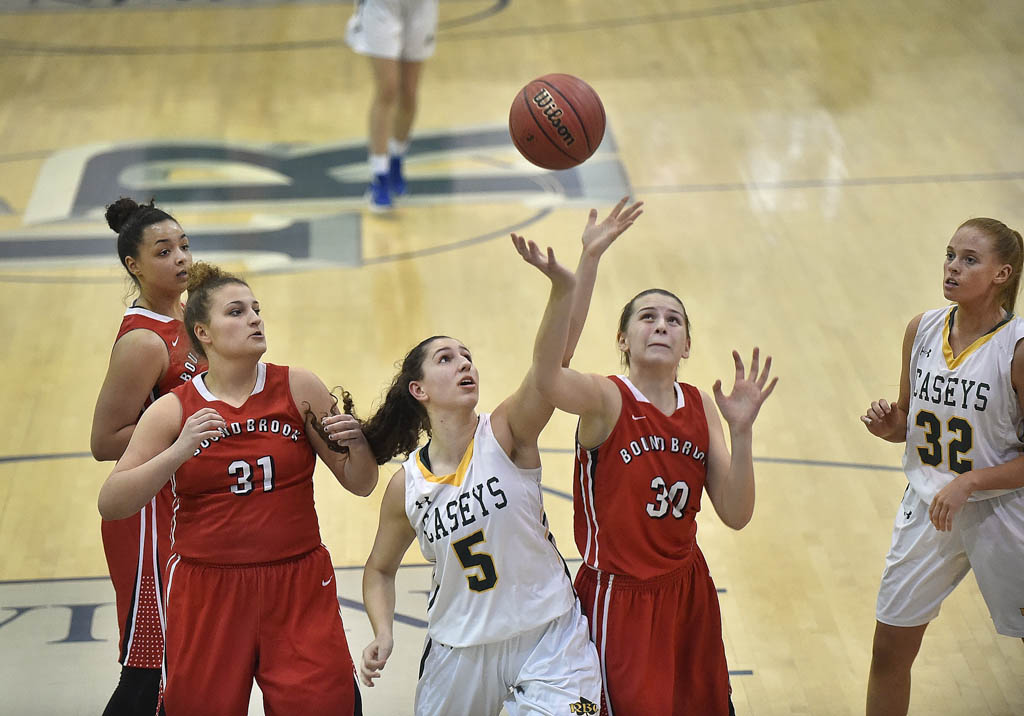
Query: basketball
pixel 556 121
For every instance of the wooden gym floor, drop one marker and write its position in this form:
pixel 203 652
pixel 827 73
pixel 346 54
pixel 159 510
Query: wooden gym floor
pixel 803 162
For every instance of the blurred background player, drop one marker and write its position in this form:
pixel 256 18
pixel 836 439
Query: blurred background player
pixel 151 356
pixel 397 36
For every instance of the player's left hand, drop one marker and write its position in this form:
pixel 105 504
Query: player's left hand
pixel 345 431
pixel 741 406
pixel 597 237
pixel 949 502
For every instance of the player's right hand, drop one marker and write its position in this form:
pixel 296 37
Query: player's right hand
pixel 375 656
pixel 204 424
pixel 881 418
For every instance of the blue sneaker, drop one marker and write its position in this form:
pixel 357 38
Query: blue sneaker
pixel 379 195
pixel 396 182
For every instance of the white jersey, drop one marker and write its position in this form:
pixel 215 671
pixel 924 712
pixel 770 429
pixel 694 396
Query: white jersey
pixel 497 572
pixel 964 412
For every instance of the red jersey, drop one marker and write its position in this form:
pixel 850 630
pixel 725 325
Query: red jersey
pixel 137 547
pixel 636 496
pixel 246 497
pixel 184 364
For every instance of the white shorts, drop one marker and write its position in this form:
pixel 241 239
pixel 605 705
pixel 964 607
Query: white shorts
pixel 552 669
pixel 924 565
pixel 393 29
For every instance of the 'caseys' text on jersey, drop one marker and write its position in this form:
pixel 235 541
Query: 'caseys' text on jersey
pixel 951 391
pixel 445 519
pixel 273 426
pixel 657 443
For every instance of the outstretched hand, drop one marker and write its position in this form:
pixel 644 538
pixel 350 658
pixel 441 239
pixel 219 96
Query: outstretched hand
pixel 597 237
pixel 547 264
pixel 741 406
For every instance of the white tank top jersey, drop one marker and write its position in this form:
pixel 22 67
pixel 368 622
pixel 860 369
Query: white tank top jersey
pixel 964 412
pixel 497 571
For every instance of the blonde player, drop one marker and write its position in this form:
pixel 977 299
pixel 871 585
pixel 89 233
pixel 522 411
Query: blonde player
pixel 504 625
pixel 961 412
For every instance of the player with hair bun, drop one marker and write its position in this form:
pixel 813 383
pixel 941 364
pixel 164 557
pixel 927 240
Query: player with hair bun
pixel 150 357
pixel 250 589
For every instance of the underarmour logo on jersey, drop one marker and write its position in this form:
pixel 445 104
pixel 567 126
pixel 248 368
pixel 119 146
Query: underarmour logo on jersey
pixel 638 417
pixel 908 514
pixel 175 341
pixel 327 581
pixel 926 352
pixel 583 706
pixel 423 503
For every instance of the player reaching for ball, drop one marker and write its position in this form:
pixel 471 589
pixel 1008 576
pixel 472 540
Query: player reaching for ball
pixel 504 625
pixel 647 446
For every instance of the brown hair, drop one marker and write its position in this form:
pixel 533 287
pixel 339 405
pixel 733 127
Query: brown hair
pixel 129 221
pixel 396 426
pixel 203 280
pixel 1009 247
pixel 628 310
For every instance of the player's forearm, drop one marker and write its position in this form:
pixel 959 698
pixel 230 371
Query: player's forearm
pixel 586 277
pixel 360 472
pixel 106 445
pixel 379 600
pixel 738 488
pixel 125 492
pixel 1008 476
pixel 549 348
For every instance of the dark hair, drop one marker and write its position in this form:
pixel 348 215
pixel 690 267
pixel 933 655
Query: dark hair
pixel 129 220
pixel 203 280
pixel 628 311
pixel 396 426
pixel 1009 247
pixel 311 420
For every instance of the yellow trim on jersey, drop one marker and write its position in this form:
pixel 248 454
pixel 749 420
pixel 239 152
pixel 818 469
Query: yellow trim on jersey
pixel 947 350
pixel 456 477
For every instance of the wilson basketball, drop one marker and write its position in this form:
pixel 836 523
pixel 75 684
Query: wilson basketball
pixel 556 121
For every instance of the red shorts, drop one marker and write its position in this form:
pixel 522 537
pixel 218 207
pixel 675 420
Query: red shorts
pixel 659 641
pixel 277 623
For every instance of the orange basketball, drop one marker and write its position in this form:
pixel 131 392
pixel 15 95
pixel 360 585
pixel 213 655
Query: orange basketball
pixel 556 121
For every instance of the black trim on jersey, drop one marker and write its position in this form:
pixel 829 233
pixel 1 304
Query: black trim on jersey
pixel 430 602
pixel 425 457
pixel 357 707
pixel 423 659
pixel 993 329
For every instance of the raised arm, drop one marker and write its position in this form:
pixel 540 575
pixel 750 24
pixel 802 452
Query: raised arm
pixel 529 408
pixel 730 477
pixel 157 448
pixel 354 467
pixel 137 361
pixel 889 420
pixel 394 535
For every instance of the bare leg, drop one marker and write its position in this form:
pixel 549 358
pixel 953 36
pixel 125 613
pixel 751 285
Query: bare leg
pixel 385 101
pixel 408 87
pixel 892 654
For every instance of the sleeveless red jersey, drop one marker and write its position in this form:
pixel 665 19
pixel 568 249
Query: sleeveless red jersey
pixel 247 496
pixel 183 365
pixel 636 496
pixel 137 547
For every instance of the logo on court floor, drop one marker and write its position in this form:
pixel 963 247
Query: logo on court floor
pixel 583 706
pixel 299 203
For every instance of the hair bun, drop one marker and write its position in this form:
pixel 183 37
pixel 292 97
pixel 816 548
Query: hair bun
pixel 119 212
pixel 201 272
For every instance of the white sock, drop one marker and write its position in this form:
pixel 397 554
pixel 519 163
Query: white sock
pixel 397 148
pixel 378 164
